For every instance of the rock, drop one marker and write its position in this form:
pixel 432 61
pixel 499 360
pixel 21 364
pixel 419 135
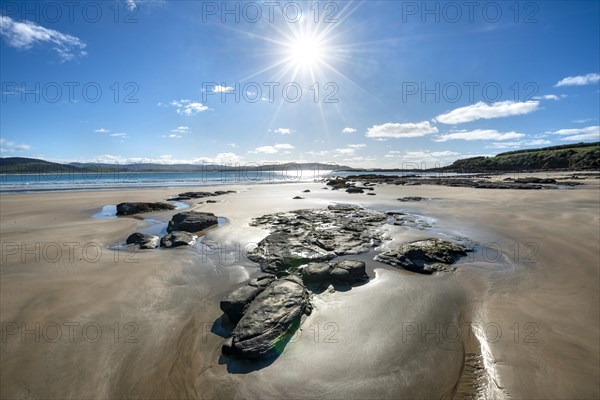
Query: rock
pixel 306 191
pixel 143 241
pixel 191 221
pixel 410 198
pixel 235 303
pixel 354 190
pixel 316 273
pixel 200 195
pixel 137 208
pixel 317 235
pixel 370 194
pixel 178 238
pixel 270 320
pixel 356 270
pixel 424 256
pixel 211 201
pixel 298 198
pixel 535 180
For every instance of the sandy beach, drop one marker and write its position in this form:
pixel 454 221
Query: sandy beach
pixel 518 319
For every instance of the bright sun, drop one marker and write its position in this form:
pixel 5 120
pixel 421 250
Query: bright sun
pixel 306 52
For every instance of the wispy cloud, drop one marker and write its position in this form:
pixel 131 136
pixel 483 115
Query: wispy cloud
pixel 119 134
pixel 550 97
pixel 233 145
pixel 181 129
pixel 479 134
pixel 482 110
pixel 580 80
pixel 272 149
pixel 518 144
pixel 348 130
pixel 8 146
pixel 24 35
pixel 101 130
pixel 282 131
pixel 391 130
pixel 582 120
pixel 588 133
pixel 188 107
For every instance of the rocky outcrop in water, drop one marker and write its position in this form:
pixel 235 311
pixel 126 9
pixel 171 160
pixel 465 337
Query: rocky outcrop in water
pixel 178 238
pixel 424 256
pixel 139 207
pixel 270 320
pixel 191 221
pixel 143 241
pixel 304 236
pixel 199 195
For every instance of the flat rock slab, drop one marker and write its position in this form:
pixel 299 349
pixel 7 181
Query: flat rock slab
pixel 178 238
pixel 191 221
pixel 424 256
pixel 270 320
pixel 138 207
pixel 317 235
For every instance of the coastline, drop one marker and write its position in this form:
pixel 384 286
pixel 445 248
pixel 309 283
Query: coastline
pixel 172 297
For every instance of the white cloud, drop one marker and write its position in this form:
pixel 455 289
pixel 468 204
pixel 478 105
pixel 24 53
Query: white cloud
pixel 479 134
pixel 588 79
pixel 585 136
pixel 24 35
pixel 357 146
pixel 318 153
pixel 482 110
pixel 348 130
pixel 429 154
pixel 588 133
pixel 272 149
pixel 222 89
pixel 550 97
pixel 119 134
pixel 234 145
pixel 188 107
pixel 102 130
pixel 282 131
pixel 391 130
pixel 7 146
pixel 589 129
pixel 582 120
pixel 518 144
pixel 131 5
pixel 221 158
pixel 181 130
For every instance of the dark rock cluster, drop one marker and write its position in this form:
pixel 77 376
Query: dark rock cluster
pixel 140 207
pixel 304 236
pixel 199 195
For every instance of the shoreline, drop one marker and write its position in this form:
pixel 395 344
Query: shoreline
pixel 173 296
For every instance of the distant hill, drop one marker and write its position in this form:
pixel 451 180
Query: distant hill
pixel 22 165
pixel 580 156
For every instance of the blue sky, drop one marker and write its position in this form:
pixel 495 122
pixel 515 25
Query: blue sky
pixel 362 84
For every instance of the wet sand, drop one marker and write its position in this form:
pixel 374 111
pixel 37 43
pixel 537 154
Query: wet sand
pixel 146 325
